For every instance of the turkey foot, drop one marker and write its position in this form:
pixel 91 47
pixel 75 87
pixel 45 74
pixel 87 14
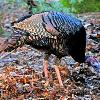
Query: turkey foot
pixel 56 67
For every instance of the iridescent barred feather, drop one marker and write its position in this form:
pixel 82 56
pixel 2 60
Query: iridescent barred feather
pixel 54 32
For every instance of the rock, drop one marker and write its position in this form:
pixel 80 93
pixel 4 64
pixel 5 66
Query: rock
pixel 2 40
pixel 13 74
pixel 94 63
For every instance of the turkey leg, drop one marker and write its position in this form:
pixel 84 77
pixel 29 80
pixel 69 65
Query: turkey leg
pixel 45 68
pixel 56 65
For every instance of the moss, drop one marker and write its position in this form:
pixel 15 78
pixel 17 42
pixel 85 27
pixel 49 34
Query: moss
pixel 1 30
pixel 83 6
pixel 87 6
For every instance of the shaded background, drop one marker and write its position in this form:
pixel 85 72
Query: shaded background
pixel 10 10
pixel 79 82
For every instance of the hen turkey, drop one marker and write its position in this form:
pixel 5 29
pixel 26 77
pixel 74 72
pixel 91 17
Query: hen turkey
pixel 54 32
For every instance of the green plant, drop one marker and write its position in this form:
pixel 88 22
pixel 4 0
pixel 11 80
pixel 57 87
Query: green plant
pixel 82 6
pixel 10 1
pixel 1 30
pixel 53 5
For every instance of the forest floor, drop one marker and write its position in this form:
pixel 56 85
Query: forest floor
pixel 21 71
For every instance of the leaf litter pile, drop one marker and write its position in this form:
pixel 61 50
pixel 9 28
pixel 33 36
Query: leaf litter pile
pixel 22 77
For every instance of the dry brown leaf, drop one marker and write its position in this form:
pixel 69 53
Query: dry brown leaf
pixel 23 80
pixel 21 97
pixel 46 93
